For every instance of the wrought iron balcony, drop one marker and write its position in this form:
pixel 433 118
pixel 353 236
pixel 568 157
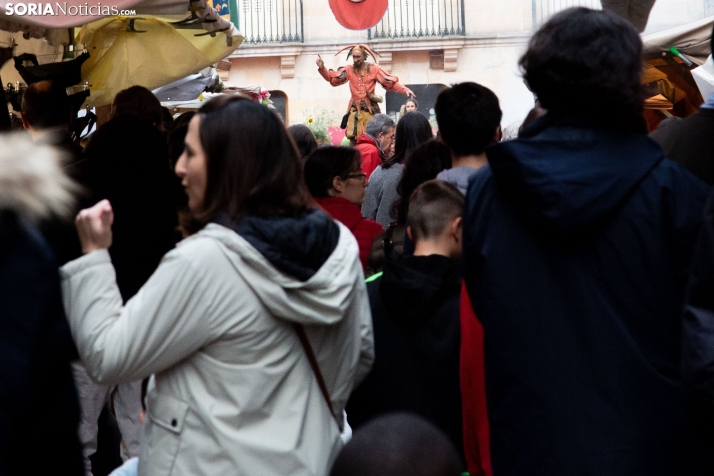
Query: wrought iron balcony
pixel 409 19
pixel 270 21
pixel 544 9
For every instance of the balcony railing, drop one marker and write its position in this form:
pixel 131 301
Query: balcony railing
pixel 544 9
pixel 409 19
pixel 271 21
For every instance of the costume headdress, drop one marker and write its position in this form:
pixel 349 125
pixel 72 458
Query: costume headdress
pixel 365 49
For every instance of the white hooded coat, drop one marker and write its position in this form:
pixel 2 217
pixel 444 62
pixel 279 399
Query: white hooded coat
pixel 234 392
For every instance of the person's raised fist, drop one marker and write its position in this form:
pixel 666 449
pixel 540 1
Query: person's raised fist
pixel 94 226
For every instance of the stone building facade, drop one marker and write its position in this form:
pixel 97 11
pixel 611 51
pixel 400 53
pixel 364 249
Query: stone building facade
pixel 428 44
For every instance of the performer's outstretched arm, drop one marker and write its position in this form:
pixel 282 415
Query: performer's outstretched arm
pixel 335 78
pixel 391 83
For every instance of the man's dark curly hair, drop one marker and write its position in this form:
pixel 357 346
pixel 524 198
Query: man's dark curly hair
pixel 587 63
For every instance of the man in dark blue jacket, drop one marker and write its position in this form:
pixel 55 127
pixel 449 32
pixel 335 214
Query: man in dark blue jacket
pixel 698 329
pixel 578 238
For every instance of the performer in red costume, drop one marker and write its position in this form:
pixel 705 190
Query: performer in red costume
pixel 363 77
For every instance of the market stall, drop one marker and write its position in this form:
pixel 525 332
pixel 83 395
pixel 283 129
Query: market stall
pixel 673 60
pixel 166 41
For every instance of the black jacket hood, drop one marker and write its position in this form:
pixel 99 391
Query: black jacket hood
pixel 296 245
pixel 413 287
pixel 566 176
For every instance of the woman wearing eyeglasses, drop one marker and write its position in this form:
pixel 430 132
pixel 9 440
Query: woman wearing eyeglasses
pixel 335 179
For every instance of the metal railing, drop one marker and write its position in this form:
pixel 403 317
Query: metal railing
pixel 409 19
pixel 544 9
pixel 270 21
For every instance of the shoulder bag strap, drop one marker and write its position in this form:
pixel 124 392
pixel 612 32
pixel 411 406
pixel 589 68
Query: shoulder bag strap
pixel 313 363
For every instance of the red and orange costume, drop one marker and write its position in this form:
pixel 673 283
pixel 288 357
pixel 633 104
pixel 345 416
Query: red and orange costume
pixel 363 103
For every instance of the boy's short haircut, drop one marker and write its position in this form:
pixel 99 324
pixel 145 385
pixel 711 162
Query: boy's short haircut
pixel 432 207
pixel 468 115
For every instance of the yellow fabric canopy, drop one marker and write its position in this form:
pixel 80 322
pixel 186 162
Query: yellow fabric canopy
pixel 162 54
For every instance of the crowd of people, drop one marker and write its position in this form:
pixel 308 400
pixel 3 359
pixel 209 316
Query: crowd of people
pixel 217 294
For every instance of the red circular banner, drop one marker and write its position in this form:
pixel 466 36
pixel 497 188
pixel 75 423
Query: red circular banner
pixel 358 15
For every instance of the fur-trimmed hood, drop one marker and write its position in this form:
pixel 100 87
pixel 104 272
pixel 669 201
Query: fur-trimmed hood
pixel 32 183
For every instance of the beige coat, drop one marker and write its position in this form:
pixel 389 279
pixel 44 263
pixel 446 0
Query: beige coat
pixel 234 393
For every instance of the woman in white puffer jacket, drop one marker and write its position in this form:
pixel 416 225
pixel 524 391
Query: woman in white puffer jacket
pixel 218 323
